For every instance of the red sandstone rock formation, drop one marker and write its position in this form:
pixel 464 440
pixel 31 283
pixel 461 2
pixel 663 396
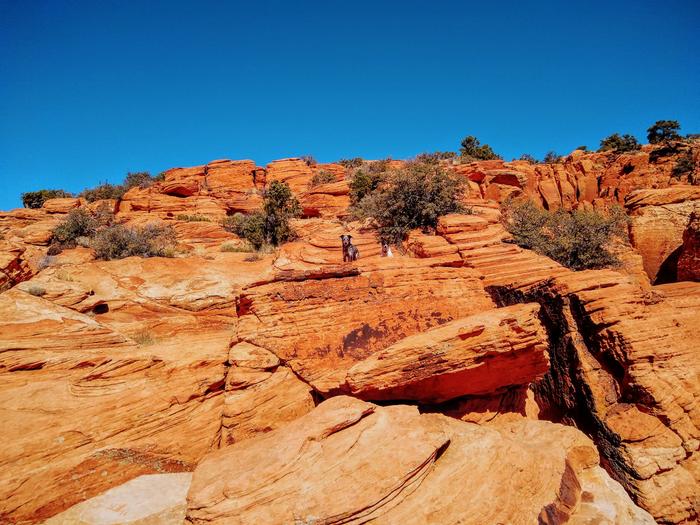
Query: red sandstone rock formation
pixel 113 370
pixel 689 259
pixel 350 461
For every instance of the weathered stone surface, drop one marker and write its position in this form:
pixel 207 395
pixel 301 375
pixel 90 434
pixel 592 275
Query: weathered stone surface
pixel 86 408
pixel 659 218
pixel 689 259
pixel 295 172
pixel 339 320
pixel 261 394
pixel 14 267
pixel 350 461
pixel 62 205
pixel 476 355
pixel 154 499
pixel 625 369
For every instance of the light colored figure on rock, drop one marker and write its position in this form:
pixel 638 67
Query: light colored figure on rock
pixel 386 250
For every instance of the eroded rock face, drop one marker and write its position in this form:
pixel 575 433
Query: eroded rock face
pixel 350 462
pixel 110 371
pixel 625 370
pixel 689 259
pixel 154 499
pixel 341 319
pixel 477 355
pixel 659 218
pixel 86 408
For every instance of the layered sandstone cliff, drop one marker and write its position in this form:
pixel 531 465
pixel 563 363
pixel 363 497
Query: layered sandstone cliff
pixel 464 380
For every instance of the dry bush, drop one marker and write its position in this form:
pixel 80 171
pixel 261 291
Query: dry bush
pixel 578 239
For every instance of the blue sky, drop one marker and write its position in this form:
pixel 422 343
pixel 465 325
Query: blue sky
pixel 90 90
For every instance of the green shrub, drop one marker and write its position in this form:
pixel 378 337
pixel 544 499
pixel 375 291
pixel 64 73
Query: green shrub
pixel 363 183
pixel 231 247
pixel 351 163
pixel 578 239
pixel 140 179
pixel 193 218
pixel 119 241
pixel 529 158
pixel 551 157
pixel 582 148
pixel 36 199
pixel 415 196
pixel 271 224
pixel 103 191
pixel 279 205
pixel 472 149
pixel 663 131
pixel 684 165
pixel 78 223
pixel 435 157
pixel 35 290
pixel 322 177
pixel 250 227
pixel 619 143
pixel 309 159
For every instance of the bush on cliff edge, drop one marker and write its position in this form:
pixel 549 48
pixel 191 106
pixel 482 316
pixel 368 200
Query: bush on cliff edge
pixel 578 239
pixel 414 196
pixel 270 225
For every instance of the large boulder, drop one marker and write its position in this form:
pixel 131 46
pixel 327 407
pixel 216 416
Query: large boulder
pixel 349 461
pixel 341 315
pixel 477 355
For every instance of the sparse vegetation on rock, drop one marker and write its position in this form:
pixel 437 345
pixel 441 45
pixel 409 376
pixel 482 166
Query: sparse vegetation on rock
pixel 193 218
pixel 686 165
pixel 663 131
pixel 528 158
pixel 551 157
pixel 271 224
pixel 119 241
pixel 355 162
pixel 141 179
pixel 619 143
pixel 414 196
pixel 472 149
pixel 36 199
pixel 322 177
pixel 435 157
pixel 578 239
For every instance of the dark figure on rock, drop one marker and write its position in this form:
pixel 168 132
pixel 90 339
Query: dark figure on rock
pixel 350 251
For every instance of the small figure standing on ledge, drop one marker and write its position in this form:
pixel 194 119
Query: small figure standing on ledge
pixel 386 249
pixel 350 251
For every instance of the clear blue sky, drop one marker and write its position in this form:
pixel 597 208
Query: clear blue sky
pixel 92 89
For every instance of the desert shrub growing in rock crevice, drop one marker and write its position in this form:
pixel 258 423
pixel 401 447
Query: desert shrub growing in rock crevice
pixel 472 149
pixel 270 225
pixel 119 241
pixel 140 179
pixel 619 143
pixel 414 196
pixel 96 229
pixel 36 199
pixel 322 177
pixel 79 223
pixel 685 165
pixel 578 239
pixel 435 157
